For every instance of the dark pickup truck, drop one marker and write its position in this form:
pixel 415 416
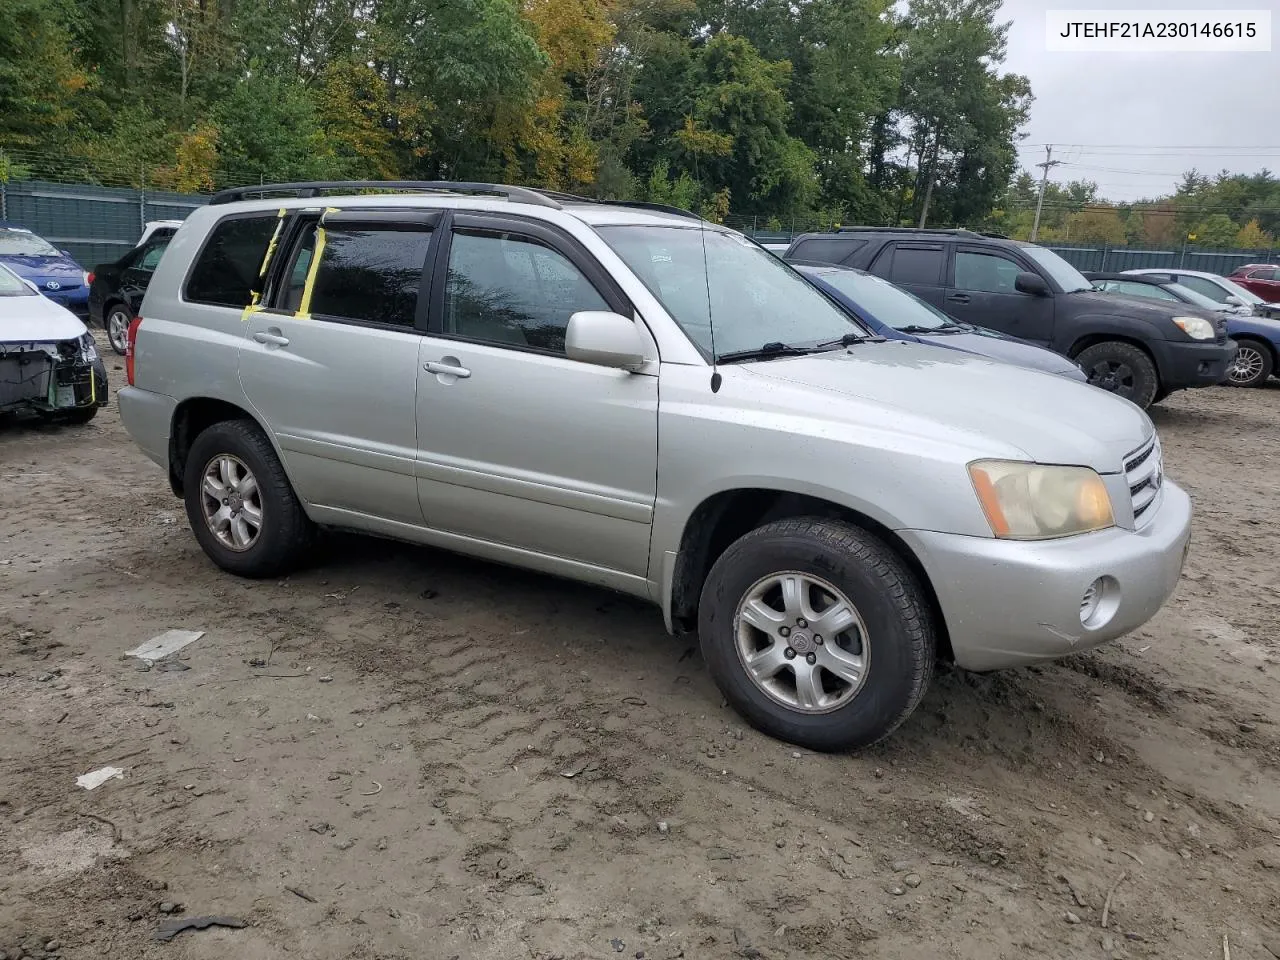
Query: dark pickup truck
pixel 1140 349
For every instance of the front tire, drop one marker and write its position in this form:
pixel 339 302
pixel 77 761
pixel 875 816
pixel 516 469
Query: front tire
pixel 1122 369
pixel 817 633
pixel 240 503
pixel 116 323
pixel 1252 366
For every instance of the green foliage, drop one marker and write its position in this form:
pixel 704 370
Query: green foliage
pixel 806 112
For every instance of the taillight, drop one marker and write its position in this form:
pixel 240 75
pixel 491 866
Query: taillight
pixel 129 349
pixel 88 279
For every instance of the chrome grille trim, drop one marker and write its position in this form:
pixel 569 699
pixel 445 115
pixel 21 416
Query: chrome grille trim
pixel 1144 473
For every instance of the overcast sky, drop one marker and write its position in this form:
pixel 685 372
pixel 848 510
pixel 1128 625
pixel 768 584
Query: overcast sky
pixel 1116 117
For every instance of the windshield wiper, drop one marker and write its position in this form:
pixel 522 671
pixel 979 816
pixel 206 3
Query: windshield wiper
pixel 848 340
pixel 917 328
pixel 766 351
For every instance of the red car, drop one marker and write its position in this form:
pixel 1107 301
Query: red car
pixel 1260 279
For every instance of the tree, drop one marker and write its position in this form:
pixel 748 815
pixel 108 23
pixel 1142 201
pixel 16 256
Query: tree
pixel 1216 231
pixel 963 115
pixel 1253 237
pixel 1097 226
pixel 39 78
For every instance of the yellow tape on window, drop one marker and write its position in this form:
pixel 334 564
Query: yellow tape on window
pixel 254 306
pixel 304 307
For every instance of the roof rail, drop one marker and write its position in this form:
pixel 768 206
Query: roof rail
pixel 952 231
pixel 318 187
pixel 634 204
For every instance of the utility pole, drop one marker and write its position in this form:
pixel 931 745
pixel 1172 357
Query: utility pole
pixel 1044 177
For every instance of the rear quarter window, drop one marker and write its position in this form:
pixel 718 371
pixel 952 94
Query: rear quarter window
pixel 226 268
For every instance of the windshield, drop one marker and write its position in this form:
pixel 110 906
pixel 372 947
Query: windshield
pixel 1064 274
pixel 11 285
pixel 887 303
pixel 746 294
pixel 20 243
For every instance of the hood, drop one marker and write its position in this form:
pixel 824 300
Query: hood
pixel 66 272
pixel 989 405
pixel 1141 307
pixel 35 318
pixel 997 346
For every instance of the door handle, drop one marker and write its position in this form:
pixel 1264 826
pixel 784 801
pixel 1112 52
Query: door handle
pixel 447 369
pixel 275 339
pixel 958 298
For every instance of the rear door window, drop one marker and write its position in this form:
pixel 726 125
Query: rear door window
pixel 911 264
pixel 226 269
pixel 364 275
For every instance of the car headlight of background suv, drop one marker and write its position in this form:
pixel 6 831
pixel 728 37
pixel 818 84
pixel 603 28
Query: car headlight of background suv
pixel 1197 328
pixel 1028 501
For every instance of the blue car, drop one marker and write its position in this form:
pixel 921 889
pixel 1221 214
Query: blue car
pixel 53 271
pixel 893 313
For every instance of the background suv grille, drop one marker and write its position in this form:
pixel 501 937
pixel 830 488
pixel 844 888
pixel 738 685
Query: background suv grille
pixel 1144 472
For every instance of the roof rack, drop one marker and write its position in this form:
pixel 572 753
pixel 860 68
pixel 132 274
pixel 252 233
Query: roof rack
pixel 318 187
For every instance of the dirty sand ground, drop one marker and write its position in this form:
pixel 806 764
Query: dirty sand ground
pixel 420 799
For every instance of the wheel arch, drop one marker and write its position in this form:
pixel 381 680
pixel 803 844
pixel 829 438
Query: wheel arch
pixel 723 517
pixel 193 416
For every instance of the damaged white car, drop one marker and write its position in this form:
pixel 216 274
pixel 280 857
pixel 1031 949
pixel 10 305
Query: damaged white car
pixel 49 362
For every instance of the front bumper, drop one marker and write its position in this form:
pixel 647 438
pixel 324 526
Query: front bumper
pixel 1008 603
pixel 1192 364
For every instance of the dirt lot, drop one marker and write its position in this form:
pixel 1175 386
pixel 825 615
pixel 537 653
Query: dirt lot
pixel 443 758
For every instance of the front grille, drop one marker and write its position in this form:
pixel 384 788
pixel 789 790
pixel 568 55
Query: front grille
pixel 1144 473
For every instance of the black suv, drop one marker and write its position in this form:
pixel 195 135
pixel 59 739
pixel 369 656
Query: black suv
pixel 1141 349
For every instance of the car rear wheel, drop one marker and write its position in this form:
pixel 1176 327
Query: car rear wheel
pixel 1122 369
pixel 1252 366
pixel 117 326
pixel 240 503
pixel 817 633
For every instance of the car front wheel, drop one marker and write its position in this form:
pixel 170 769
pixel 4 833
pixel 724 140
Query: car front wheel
pixel 1252 365
pixel 240 504
pixel 1122 369
pixel 817 633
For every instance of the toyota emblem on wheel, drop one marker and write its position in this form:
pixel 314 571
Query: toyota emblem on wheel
pixel 53 285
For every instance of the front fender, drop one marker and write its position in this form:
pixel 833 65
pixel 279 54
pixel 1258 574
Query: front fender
pixel 1088 327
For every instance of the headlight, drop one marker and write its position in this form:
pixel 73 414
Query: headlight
pixel 89 346
pixel 1027 501
pixel 1197 328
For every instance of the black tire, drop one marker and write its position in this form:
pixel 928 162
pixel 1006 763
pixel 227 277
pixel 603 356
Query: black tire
pixel 901 637
pixel 1253 364
pixel 1122 369
pixel 117 312
pixel 286 532
pixel 77 417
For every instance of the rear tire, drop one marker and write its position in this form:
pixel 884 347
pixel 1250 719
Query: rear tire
pixel 116 322
pixel 887 648
pixel 1122 369
pixel 1253 364
pixel 240 504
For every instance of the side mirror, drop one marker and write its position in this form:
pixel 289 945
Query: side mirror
pixel 605 339
pixel 1234 300
pixel 1032 283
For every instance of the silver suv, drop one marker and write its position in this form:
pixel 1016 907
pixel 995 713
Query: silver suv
pixel 630 396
